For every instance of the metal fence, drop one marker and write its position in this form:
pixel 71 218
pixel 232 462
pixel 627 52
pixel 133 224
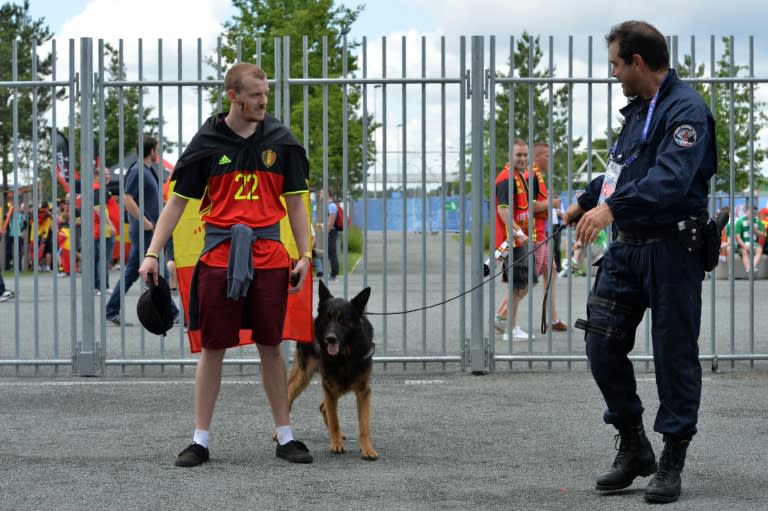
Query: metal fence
pixel 433 108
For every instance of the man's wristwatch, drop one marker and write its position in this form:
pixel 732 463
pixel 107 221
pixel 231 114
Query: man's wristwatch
pixel 307 254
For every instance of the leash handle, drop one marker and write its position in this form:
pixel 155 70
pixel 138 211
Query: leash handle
pixel 555 232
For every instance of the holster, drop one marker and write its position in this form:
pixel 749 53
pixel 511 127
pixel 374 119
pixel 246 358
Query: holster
pixel 690 232
pixel 710 254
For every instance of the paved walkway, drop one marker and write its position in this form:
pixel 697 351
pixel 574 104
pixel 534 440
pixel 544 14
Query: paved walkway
pixel 521 438
pixel 447 441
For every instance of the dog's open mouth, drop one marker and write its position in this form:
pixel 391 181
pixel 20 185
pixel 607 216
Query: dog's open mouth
pixel 333 348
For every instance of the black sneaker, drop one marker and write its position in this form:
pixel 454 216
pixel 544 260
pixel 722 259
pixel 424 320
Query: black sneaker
pixel 294 451
pixel 192 456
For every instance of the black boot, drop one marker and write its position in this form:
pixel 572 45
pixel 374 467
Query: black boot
pixel 665 485
pixel 635 458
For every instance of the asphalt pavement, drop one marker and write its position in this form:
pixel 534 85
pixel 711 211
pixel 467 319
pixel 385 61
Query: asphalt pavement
pixel 521 438
pixel 527 441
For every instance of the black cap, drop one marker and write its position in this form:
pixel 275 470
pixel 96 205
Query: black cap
pixel 154 307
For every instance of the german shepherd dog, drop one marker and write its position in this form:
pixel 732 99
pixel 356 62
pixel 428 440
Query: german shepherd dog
pixel 343 352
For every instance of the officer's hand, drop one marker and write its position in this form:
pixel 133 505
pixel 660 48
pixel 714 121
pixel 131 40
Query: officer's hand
pixel 592 222
pixel 573 214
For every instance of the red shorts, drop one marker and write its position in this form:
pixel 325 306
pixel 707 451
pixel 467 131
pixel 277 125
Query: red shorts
pixel 541 258
pixel 222 318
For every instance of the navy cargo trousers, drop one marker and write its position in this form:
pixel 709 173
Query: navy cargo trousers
pixel 664 277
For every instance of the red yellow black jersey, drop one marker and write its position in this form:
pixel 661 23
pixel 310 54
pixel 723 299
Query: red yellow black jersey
pixel 520 213
pixel 241 180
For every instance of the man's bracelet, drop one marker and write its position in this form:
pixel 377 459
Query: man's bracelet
pixel 307 254
pixel 152 254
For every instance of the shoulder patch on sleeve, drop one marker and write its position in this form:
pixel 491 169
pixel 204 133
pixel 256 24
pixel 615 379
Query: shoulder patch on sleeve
pixel 685 135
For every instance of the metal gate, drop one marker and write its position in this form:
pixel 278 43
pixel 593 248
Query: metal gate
pixel 434 129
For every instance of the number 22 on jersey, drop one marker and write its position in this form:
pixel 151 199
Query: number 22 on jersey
pixel 248 185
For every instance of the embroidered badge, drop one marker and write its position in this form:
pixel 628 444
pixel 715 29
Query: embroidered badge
pixel 685 135
pixel 224 160
pixel 269 157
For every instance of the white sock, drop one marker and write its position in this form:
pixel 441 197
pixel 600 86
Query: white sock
pixel 201 437
pixel 284 434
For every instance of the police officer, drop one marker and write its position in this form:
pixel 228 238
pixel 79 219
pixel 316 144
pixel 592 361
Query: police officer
pixel 655 184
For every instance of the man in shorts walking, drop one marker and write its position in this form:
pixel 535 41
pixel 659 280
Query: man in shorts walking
pixel 540 207
pixel 510 181
pixel 240 163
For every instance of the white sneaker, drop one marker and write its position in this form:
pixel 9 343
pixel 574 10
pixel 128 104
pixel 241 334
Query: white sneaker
pixel 518 334
pixel 500 324
pixel 7 295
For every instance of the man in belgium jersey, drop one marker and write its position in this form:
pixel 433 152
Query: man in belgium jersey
pixel 239 164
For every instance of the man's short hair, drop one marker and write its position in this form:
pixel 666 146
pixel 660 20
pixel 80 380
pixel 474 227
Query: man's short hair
pixel 233 80
pixel 149 144
pixel 641 38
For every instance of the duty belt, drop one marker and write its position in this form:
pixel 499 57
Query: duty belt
pixel 640 238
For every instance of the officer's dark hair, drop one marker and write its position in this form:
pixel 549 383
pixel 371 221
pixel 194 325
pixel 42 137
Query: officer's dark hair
pixel 641 38
pixel 149 144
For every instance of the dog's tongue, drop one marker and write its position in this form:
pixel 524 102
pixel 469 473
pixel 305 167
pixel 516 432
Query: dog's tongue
pixel 333 348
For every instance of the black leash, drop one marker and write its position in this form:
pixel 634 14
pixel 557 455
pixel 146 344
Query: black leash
pixel 555 232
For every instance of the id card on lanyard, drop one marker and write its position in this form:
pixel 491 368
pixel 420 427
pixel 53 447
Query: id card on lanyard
pixel 609 180
pixel 613 170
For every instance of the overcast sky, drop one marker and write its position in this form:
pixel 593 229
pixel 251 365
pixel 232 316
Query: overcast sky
pixel 192 19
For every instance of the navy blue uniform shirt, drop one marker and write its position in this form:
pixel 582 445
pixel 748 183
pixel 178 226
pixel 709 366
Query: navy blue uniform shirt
pixel 669 178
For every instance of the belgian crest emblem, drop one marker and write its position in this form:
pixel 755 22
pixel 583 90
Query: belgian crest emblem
pixel 269 157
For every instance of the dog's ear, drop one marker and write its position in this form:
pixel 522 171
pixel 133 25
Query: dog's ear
pixel 323 292
pixel 361 300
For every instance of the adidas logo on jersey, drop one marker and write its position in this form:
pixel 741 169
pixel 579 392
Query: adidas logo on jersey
pixel 224 160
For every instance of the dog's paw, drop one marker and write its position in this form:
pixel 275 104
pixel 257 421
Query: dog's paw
pixel 337 447
pixel 369 453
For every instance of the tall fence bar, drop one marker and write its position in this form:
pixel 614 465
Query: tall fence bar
pixel 434 115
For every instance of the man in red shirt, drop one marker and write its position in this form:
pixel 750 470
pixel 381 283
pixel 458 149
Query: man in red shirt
pixel 516 235
pixel 239 164
pixel 541 214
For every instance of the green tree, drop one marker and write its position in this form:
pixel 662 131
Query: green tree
pixel 526 63
pixel 29 34
pixel 254 31
pixel 721 108
pixel 129 98
pixel 598 156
